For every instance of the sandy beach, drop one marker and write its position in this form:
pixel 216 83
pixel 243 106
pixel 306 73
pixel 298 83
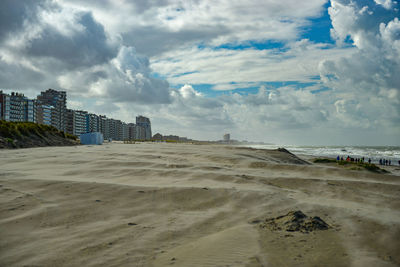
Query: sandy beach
pixel 159 204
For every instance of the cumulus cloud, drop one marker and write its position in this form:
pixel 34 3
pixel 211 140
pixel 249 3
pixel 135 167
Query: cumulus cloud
pixel 366 84
pixel 126 78
pixel 63 47
pixel 386 3
pixel 76 43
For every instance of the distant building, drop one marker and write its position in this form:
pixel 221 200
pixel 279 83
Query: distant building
pixel 69 124
pixel 44 114
pixel 140 133
pixel 4 106
pixel 171 138
pixel 92 123
pixel 79 122
pixel 103 126
pixel 118 130
pixel 57 99
pixel 227 138
pixel 131 131
pixel 111 128
pixel 16 107
pixel 144 123
pixel 125 131
pixel 30 110
pixel 158 137
pixel 76 122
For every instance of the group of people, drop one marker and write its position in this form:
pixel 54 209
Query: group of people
pixel 386 162
pixel 357 160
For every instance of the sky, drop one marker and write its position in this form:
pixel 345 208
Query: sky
pixel 312 72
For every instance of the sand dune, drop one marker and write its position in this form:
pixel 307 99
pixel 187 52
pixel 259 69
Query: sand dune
pixel 189 205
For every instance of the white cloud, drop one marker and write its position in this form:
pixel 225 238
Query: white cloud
pixel 386 3
pixel 366 84
pixel 224 66
pixel 187 91
pixel 167 25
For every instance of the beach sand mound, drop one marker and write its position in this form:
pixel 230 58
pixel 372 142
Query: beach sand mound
pixel 295 221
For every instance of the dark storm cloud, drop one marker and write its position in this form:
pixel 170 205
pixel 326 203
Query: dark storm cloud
pixel 50 45
pixel 14 13
pixel 86 47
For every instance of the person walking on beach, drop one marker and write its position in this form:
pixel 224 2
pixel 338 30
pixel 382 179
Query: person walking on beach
pixel 337 158
pixel 369 160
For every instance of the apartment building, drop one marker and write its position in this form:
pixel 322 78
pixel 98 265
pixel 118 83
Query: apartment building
pixel 103 126
pixel 145 128
pixel 125 131
pixel 118 130
pixel 17 107
pixel 30 110
pixel 45 114
pixel 79 122
pixel 131 131
pixel 92 123
pixel 111 128
pixel 58 100
pixel 140 133
pixel 227 138
pixel 4 106
pixel 76 122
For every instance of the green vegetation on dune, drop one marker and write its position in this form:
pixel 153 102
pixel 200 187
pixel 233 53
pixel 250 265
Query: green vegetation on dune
pixel 29 134
pixel 352 165
pixel 324 160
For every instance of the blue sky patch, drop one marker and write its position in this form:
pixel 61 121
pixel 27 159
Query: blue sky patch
pixel 319 29
pixel 262 45
pixel 208 91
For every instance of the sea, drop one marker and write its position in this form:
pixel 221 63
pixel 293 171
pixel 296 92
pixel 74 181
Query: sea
pixel 375 153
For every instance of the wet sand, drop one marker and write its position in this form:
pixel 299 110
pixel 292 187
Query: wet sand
pixel 157 204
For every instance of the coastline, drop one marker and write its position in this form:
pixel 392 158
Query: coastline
pixel 156 204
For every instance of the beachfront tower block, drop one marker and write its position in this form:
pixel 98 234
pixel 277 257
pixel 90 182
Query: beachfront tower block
pixel 143 128
pixel 58 100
